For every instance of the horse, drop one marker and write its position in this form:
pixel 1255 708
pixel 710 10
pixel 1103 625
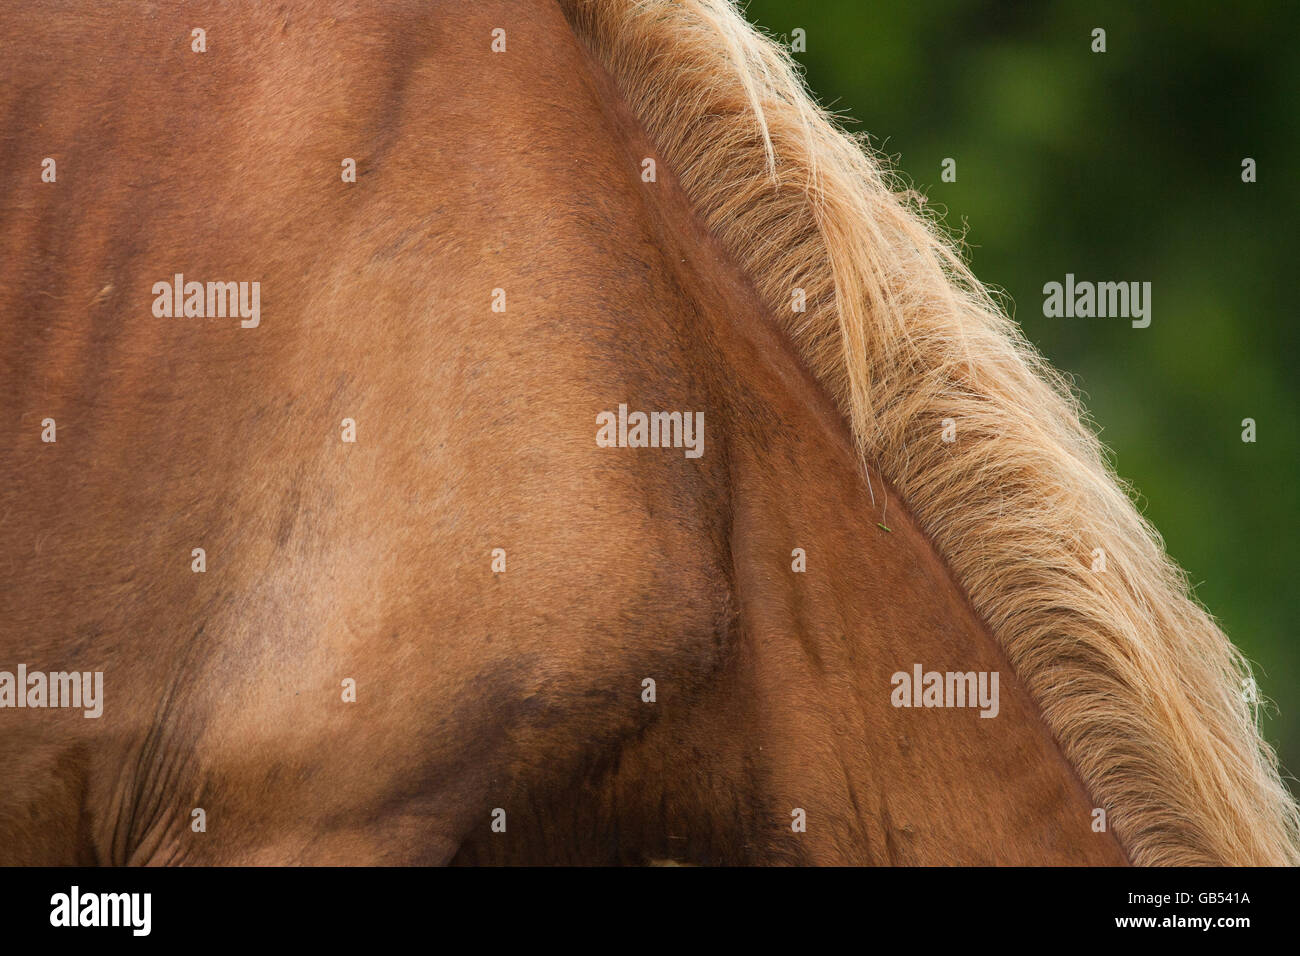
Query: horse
pixel 444 433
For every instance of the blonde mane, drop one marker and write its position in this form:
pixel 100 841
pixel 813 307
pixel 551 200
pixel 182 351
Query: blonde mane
pixel 1145 694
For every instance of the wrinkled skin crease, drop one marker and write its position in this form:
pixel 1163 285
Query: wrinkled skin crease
pixel 371 560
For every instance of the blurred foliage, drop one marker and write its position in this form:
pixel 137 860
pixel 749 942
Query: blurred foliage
pixel 1122 166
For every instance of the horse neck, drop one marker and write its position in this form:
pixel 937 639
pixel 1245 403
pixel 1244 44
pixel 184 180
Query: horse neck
pixel 798 715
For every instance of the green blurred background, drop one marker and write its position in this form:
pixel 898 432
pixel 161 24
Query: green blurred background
pixel 1123 166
